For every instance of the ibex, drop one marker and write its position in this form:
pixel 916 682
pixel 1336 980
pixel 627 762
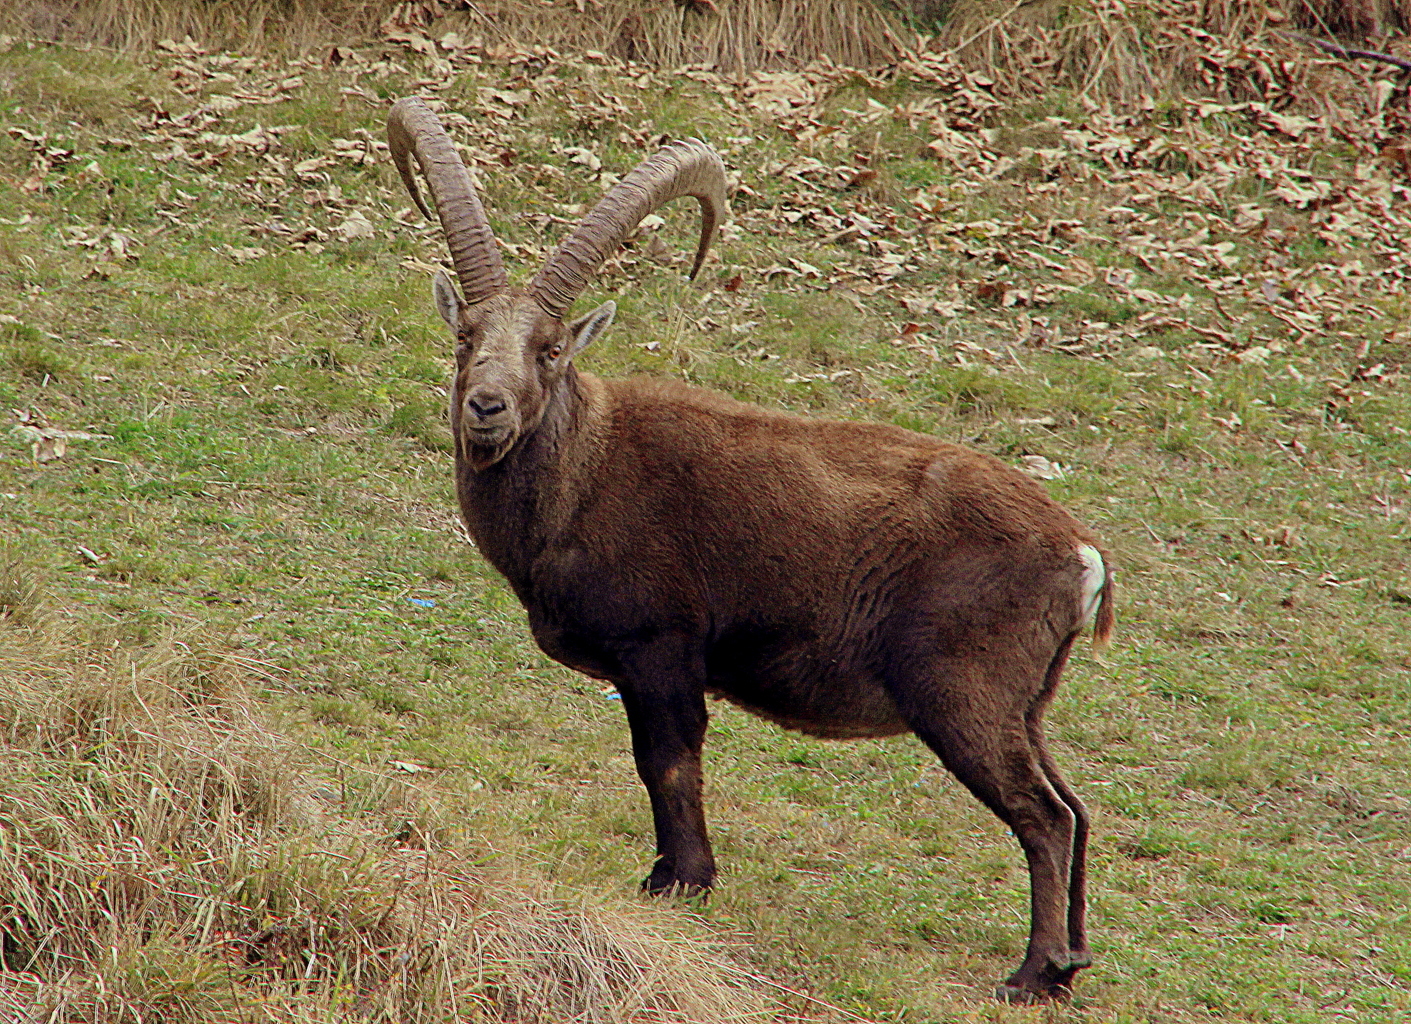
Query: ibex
pixel 841 579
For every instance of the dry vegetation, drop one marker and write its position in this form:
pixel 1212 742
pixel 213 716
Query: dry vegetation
pixel 278 746
pixel 735 36
pixel 168 857
pixel 1124 49
pixel 1108 48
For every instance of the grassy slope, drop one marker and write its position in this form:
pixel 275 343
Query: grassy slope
pixel 275 472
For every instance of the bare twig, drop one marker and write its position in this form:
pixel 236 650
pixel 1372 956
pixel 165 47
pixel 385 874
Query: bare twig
pixel 1337 50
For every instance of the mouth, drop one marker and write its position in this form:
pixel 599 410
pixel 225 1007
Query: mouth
pixel 486 428
pixel 485 446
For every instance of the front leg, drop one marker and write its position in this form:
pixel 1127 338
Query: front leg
pixel 663 691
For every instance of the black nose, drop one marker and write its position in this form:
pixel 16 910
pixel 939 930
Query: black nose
pixel 485 406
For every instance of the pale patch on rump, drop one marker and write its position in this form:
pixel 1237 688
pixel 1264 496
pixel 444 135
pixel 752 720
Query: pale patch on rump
pixel 1094 576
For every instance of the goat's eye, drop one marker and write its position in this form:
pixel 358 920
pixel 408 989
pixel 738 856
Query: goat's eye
pixel 555 351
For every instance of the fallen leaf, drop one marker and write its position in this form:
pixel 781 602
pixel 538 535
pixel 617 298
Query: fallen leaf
pixel 579 155
pixel 244 254
pixel 308 169
pixel 509 97
pixel 1078 271
pixel 1042 468
pixel 48 448
pixel 356 226
pixel 223 104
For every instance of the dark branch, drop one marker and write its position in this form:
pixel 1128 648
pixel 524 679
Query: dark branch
pixel 1347 54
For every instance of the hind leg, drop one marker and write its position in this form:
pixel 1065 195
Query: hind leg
pixel 1078 954
pixel 1078 951
pixel 977 724
pixel 1078 874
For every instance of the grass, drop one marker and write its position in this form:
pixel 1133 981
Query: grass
pixel 198 864
pixel 268 486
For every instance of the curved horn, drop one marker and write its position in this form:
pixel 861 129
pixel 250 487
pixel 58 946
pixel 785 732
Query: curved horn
pixel 688 168
pixel 414 130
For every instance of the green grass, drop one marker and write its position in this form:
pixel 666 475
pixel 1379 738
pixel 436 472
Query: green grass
pixel 272 468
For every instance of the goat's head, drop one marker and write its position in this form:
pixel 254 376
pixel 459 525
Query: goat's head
pixel 513 349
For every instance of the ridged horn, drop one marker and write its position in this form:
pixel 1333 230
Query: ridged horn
pixel 413 129
pixel 689 168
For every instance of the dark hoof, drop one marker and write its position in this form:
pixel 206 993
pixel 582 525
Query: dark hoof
pixel 1054 984
pixel 665 882
pixel 1056 992
pixel 1018 996
pixel 676 890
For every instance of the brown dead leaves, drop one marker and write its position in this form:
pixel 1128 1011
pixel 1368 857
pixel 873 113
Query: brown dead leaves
pixel 1207 195
pixel 781 94
pixel 1160 222
pixel 48 443
pixel 222 88
pixel 46 157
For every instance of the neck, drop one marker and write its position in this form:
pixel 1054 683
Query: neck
pixel 516 507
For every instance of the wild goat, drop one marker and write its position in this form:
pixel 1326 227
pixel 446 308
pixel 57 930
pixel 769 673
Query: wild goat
pixel 841 579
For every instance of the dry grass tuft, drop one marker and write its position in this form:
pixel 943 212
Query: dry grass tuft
pixel 741 36
pixel 737 36
pixel 134 780
pixel 747 35
pixel 1118 51
pixel 163 856
pixel 1358 19
pixel 1092 46
pixel 20 602
pixel 1346 19
pixel 560 962
pixel 225 24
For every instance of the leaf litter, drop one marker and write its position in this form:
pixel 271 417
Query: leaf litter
pixel 1180 219
pixel 1208 191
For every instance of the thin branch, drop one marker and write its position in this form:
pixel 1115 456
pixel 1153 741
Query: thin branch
pixel 1345 53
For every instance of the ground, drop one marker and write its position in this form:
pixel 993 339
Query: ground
pixel 226 382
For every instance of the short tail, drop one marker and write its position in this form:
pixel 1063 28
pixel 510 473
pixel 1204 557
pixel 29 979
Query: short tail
pixel 1096 598
pixel 1106 611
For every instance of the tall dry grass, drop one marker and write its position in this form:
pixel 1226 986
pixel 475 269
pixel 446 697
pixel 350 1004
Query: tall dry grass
pixel 1096 47
pixel 743 35
pixel 246 25
pixel 1117 51
pixel 1109 49
pixel 1359 19
pixel 167 856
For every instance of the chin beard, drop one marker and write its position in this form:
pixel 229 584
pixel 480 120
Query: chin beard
pixel 482 456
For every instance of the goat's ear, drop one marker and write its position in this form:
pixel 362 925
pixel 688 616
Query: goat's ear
pixel 586 328
pixel 448 300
